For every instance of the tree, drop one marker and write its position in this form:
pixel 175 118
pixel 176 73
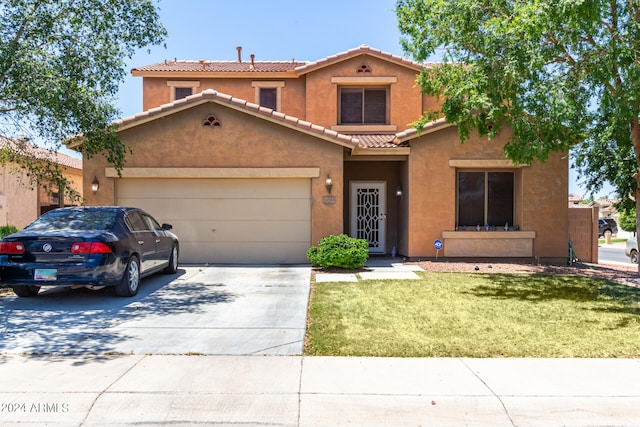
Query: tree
pixel 61 62
pixel 562 74
pixel 627 219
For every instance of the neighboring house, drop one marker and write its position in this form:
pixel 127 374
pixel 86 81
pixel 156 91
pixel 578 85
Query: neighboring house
pixel 255 161
pixel 20 202
pixel 575 200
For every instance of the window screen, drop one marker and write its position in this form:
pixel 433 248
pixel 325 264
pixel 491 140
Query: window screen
pixel 363 105
pixel 269 98
pixel 485 198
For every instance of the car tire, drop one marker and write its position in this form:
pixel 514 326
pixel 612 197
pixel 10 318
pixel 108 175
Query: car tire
pixel 172 268
pixel 634 256
pixel 26 291
pixel 130 282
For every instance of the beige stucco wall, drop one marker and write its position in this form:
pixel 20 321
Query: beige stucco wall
pixel 313 96
pixel 156 92
pixel 242 141
pixel 405 102
pixel 540 202
pixel 18 201
pixel 583 233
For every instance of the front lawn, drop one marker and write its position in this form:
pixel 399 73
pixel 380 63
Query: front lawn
pixel 475 315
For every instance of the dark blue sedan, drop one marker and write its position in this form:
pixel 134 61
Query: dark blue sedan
pixel 93 246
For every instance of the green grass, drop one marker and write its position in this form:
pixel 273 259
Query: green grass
pixel 616 240
pixel 475 315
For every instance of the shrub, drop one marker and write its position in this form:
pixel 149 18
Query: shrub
pixel 5 230
pixel 627 219
pixel 339 251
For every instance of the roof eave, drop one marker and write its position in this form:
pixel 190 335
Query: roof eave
pixel 360 51
pixel 413 133
pixel 203 74
pixel 372 151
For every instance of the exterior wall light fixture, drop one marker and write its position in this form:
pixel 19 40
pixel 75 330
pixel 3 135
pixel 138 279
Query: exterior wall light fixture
pixel 329 183
pixel 399 191
pixel 95 184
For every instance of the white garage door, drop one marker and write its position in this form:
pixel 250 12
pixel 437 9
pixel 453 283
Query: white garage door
pixel 244 221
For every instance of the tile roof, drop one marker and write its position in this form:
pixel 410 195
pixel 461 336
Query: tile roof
pixel 41 153
pixel 360 50
pixel 379 141
pixel 300 67
pixel 221 66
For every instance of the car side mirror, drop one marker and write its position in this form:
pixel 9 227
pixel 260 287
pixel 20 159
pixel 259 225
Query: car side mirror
pixel 167 227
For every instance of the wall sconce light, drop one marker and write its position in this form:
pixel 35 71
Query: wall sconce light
pixel 399 191
pixel 329 183
pixel 95 184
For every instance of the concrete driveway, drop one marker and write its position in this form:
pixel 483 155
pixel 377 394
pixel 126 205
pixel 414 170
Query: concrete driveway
pixel 201 310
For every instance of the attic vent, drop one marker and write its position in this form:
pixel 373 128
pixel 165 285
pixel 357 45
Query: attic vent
pixel 211 121
pixel 364 68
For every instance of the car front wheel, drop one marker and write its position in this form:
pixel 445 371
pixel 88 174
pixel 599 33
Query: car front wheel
pixel 128 286
pixel 26 291
pixel 634 256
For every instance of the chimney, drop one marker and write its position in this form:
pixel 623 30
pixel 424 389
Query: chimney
pixel 239 48
pixel 253 66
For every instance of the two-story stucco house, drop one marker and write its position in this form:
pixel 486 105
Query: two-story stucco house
pixel 255 161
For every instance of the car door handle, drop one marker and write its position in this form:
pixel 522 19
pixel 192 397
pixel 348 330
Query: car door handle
pixel 157 240
pixel 141 242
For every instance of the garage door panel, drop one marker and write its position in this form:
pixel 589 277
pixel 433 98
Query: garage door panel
pixel 240 231
pixel 213 188
pixel 262 221
pixel 262 253
pixel 221 209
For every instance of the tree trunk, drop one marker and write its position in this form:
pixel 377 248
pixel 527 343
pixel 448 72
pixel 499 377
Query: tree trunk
pixel 635 137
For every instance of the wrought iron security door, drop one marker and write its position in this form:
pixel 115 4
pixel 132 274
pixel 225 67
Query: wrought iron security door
pixel 368 213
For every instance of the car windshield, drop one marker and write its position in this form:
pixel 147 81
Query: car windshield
pixel 74 220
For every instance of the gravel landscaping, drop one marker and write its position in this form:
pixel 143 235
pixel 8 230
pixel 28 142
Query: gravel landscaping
pixel 613 272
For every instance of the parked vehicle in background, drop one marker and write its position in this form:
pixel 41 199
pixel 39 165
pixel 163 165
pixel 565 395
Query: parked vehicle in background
pixel 607 225
pixel 87 246
pixel 631 249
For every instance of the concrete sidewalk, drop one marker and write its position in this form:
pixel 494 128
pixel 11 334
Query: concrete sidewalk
pixel 317 391
pixel 376 268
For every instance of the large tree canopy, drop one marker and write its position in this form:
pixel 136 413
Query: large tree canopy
pixel 61 62
pixel 562 74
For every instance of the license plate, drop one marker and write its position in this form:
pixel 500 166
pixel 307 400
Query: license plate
pixel 45 274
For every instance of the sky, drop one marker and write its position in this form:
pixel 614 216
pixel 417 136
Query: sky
pixel 272 30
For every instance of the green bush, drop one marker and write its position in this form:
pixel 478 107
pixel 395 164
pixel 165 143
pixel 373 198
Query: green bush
pixel 339 251
pixel 5 230
pixel 627 219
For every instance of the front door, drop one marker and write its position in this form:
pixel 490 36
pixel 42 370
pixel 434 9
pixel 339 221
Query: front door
pixel 368 213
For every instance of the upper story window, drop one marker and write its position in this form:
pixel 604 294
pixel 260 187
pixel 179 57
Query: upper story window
pixel 485 197
pixel 269 97
pixel 182 88
pixel 269 93
pixel 182 92
pixel 363 105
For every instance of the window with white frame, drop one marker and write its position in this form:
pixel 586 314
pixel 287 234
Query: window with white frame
pixel 485 197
